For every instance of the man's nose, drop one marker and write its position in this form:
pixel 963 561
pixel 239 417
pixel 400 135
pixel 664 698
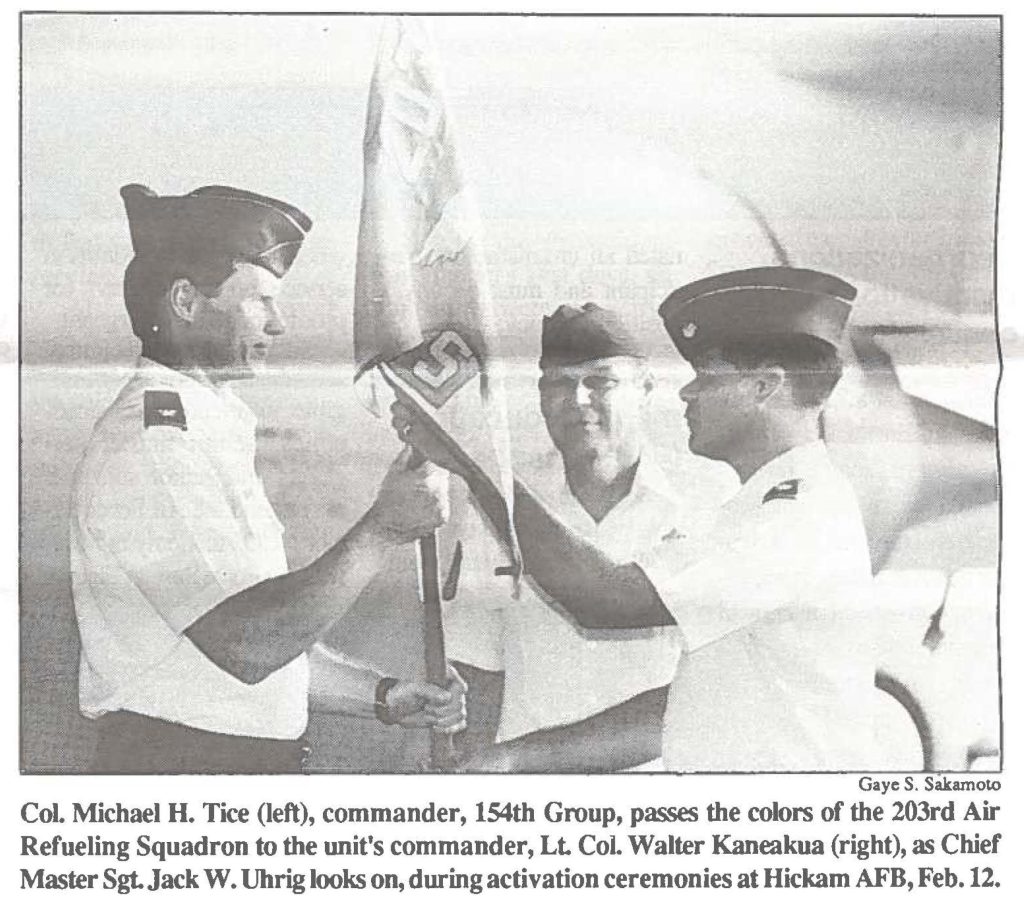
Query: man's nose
pixel 275 321
pixel 581 394
pixel 688 393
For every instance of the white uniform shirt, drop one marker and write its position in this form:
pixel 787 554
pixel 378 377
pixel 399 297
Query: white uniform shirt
pixel 773 606
pixel 166 523
pixel 556 672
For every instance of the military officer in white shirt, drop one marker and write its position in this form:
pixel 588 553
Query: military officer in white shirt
pixel 601 480
pixel 773 602
pixel 199 648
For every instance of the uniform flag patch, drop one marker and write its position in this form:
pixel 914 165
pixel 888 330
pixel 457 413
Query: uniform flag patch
pixel 783 491
pixel 164 408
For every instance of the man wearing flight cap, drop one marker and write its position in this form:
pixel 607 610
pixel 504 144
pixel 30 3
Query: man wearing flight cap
pixel 199 648
pixel 772 600
pixel 594 389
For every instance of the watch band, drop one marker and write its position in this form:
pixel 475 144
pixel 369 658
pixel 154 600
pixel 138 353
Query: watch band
pixel 380 701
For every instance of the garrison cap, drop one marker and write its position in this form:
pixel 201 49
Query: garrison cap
pixel 755 303
pixel 213 226
pixel 573 335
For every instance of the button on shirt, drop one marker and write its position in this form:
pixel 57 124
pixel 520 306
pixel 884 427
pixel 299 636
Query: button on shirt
pixel 772 603
pixel 556 672
pixel 167 523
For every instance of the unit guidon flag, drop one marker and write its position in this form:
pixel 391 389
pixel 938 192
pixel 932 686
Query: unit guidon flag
pixel 423 317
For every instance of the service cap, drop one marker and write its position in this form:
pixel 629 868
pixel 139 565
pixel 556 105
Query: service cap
pixel 213 226
pixel 755 303
pixel 576 335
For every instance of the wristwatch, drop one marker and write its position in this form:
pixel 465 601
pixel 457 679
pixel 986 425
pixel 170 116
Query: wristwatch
pixel 380 701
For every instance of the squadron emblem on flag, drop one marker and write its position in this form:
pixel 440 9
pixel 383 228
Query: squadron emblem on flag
pixel 438 367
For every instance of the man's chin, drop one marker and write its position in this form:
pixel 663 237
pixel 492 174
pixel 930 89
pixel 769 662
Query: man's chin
pixel 583 447
pixel 708 450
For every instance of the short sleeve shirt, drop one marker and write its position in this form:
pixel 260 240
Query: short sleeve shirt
pixel 555 671
pixel 168 520
pixel 772 605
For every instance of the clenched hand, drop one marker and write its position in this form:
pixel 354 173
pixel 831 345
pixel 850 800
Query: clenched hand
pixel 411 502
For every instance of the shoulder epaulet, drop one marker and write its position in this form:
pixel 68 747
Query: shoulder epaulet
pixel 164 408
pixel 783 491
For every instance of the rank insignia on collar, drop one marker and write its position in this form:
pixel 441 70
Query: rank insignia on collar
pixel 164 408
pixel 783 491
pixel 672 534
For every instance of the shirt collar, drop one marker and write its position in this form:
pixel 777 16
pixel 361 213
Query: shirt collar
pixel 649 479
pixel 794 463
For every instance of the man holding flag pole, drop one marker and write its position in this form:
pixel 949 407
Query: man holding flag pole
pixel 200 651
pixel 773 601
pixel 422 317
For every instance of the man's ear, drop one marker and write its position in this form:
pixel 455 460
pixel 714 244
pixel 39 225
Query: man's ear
pixel 183 297
pixel 766 381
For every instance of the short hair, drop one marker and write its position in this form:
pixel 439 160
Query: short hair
pixel 813 367
pixel 147 279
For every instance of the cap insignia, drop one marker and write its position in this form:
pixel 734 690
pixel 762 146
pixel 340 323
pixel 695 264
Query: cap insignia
pixel 690 329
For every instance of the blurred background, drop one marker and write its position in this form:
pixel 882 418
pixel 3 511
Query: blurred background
pixel 613 159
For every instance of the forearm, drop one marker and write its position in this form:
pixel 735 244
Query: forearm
pixel 615 739
pixel 341 686
pixel 579 577
pixel 575 575
pixel 258 630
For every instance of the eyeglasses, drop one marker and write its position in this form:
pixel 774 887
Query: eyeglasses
pixel 563 385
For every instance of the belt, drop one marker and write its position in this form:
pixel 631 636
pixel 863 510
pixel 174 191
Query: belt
pixel 134 743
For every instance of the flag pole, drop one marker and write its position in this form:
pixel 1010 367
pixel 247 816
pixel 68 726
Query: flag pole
pixel 442 751
pixel 421 297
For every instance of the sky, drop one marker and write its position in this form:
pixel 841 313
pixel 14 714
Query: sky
pixel 607 156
